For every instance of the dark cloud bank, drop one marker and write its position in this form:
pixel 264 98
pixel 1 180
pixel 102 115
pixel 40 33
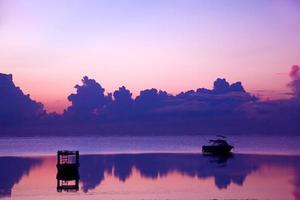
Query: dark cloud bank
pixel 226 109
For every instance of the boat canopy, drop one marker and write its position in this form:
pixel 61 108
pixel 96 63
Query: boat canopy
pixel 219 142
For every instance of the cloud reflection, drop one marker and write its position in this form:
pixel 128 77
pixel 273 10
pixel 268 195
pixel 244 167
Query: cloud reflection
pixel 12 169
pixel 224 171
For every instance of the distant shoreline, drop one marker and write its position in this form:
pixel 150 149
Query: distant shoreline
pixel 156 154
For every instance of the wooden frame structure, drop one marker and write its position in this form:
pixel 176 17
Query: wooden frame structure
pixel 67 171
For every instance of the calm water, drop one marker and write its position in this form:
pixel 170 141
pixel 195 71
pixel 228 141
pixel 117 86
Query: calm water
pixel 156 176
pixel 261 169
pixel 279 145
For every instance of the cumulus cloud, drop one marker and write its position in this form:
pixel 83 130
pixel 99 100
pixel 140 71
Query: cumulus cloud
pixel 123 96
pixel 227 106
pixel 150 99
pixel 295 72
pixel 223 98
pixel 295 83
pixel 122 104
pixel 15 106
pixel 221 86
pixel 88 100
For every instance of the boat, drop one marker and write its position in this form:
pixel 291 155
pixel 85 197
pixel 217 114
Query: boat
pixel 218 146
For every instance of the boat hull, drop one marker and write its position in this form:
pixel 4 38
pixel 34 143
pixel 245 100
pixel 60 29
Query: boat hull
pixel 219 150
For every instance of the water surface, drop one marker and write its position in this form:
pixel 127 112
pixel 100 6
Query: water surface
pixel 156 176
pixel 262 168
pixel 34 146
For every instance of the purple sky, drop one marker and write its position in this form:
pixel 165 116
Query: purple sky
pixel 172 45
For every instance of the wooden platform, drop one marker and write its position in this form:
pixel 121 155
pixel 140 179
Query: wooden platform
pixel 67 171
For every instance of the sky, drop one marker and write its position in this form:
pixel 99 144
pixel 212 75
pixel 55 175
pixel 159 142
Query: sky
pixel 173 45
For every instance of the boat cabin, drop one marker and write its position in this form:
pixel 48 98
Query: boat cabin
pixel 219 142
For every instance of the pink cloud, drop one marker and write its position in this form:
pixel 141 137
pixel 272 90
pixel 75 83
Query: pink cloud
pixel 295 72
pixel 295 83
